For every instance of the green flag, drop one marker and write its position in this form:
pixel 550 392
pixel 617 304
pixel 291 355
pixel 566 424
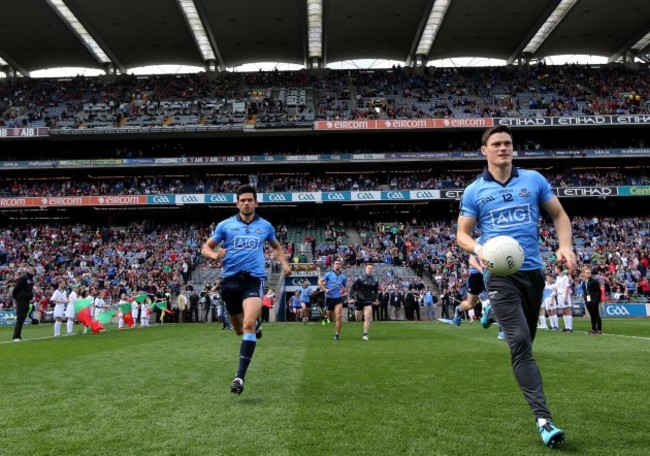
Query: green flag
pixel 162 305
pixel 82 312
pixel 140 298
pixel 127 313
pixel 105 316
pixel 125 308
pixel 81 304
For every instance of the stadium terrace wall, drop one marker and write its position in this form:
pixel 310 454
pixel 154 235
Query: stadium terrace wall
pixel 132 163
pixel 456 123
pixel 482 123
pixel 610 309
pixel 293 197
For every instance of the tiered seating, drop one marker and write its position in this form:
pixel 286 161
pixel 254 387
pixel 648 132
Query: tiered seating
pixel 300 97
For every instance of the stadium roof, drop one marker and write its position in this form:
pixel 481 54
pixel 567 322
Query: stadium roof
pixel 124 34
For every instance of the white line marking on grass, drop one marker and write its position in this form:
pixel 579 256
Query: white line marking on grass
pixel 625 336
pixel 37 338
pixel 49 337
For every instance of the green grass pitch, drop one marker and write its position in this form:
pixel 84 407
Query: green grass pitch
pixel 414 389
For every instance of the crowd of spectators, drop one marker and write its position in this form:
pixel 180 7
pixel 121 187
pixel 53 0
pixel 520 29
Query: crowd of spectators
pixel 124 101
pixel 261 98
pixel 618 249
pixel 307 182
pixel 144 257
pixel 137 257
pixel 537 90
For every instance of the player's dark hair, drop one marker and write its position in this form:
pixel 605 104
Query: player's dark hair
pixel 491 131
pixel 246 189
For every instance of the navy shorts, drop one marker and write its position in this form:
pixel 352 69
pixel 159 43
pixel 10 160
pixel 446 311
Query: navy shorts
pixel 235 289
pixel 330 303
pixel 475 284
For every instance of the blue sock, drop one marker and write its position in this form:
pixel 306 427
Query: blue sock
pixel 246 351
pixel 457 311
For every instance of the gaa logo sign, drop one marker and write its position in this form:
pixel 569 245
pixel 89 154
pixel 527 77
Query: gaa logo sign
pixel 277 197
pixel 424 195
pixel 160 199
pixel 617 311
pixel 365 196
pixel 395 195
pixel 218 199
pixel 306 197
pixel 335 196
pixel 189 199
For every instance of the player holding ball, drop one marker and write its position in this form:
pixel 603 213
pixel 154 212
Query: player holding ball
pixel 506 200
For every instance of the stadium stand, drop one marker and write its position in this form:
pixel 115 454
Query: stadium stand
pixel 296 99
pixel 410 239
pixel 149 185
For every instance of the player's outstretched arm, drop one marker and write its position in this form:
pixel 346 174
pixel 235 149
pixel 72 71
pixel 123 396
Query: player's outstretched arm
pixel 464 237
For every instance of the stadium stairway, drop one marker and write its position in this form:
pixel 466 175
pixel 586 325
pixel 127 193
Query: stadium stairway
pixel 304 250
pixel 353 235
pixel 273 278
pixel 205 274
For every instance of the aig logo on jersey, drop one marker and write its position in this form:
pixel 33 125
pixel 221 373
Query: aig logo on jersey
pixel 511 216
pixel 246 242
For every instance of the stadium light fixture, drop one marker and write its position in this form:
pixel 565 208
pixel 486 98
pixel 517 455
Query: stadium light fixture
pixel 3 63
pixel 545 30
pixel 638 50
pixel 433 25
pixel 72 21
pixel 196 25
pixel 642 44
pixel 315 28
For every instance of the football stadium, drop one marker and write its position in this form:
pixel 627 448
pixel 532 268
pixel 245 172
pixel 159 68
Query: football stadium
pixel 435 212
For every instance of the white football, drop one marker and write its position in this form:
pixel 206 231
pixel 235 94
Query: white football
pixel 502 255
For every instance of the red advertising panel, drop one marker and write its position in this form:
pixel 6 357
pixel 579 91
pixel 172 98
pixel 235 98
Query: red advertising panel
pixel 73 201
pixel 403 124
pixel 24 132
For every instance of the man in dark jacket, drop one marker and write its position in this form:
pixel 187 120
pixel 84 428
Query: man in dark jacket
pixel 194 308
pixel 396 301
pixel 23 294
pixel 365 290
pixel 383 305
pixel 591 293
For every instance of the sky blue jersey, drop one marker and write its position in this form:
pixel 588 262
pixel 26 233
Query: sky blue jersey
pixel 244 243
pixel 510 209
pixel 294 301
pixel 334 282
pixel 304 294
